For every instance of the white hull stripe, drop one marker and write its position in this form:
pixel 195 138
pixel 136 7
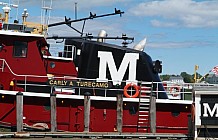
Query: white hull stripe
pixel 99 98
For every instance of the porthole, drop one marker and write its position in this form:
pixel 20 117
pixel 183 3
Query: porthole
pixel 52 64
pixel 1 46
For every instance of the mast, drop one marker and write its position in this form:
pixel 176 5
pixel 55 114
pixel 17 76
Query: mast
pixel 68 21
pixel 17 10
pixel 45 15
pixel 75 10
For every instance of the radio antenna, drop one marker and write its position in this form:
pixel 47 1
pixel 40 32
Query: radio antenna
pixel 75 10
pixel 45 14
pixel 68 21
pixel 18 1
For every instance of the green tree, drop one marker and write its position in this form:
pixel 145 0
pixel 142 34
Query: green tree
pixel 187 77
pixel 165 77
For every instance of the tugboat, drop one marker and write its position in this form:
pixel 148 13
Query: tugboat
pixel 88 66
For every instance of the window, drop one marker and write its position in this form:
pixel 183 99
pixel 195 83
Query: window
pixel 20 49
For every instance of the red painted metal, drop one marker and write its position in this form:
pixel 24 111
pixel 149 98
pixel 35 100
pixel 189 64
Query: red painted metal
pixel 70 115
pixel 8 111
pixel 62 68
pixel 30 65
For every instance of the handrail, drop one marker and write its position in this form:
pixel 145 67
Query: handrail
pixel 18 74
pixel 172 94
pixel 173 90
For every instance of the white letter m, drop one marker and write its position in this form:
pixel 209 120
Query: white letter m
pixel 106 58
pixel 207 108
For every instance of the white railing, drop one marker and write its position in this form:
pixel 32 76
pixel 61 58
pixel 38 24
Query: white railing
pixel 173 90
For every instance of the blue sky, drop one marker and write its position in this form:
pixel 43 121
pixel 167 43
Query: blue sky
pixel 180 33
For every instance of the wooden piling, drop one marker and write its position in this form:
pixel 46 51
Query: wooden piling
pixel 53 112
pixel 119 112
pixel 152 114
pixel 19 111
pixel 87 104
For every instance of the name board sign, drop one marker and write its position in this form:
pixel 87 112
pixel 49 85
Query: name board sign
pixel 75 83
pixel 209 109
pixel 206 112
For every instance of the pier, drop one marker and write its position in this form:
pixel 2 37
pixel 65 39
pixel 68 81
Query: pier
pixel 53 132
pixel 93 135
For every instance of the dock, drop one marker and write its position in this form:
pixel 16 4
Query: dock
pixel 92 135
pixel 54 133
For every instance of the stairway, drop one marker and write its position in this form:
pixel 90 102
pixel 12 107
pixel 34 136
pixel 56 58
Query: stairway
pixel 144 107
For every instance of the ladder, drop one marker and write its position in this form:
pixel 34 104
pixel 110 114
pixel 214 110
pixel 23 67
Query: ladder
pixel 144 107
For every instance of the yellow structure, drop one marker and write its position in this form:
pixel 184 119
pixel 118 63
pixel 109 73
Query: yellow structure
pixel 195 73
pixel 38 28
pixel 198 80
pixel 6 10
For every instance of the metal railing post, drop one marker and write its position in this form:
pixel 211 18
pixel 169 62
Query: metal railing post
pixel 19 111
pixel 53 112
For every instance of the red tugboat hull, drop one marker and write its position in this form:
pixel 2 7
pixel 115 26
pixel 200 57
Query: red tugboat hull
pixel 102 113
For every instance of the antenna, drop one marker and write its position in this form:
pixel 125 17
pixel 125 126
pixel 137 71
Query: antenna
pixel 9 5
pixel 17 10
pixel 91 16
pixel 45 14
pixel 75 10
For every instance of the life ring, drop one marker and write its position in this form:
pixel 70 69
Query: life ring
pixel 177 90
pixel 136 90
pixel 174 87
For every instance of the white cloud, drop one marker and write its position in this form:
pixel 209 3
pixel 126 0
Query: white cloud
pixel 85 3
pixel 188 13
pixel 184 44
pixel 158 23
pixel 70 4
pixel 91 26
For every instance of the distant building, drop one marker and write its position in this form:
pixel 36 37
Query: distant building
pixel 176 79
pixel 212 79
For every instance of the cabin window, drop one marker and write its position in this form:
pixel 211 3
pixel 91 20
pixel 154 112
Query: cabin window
pixel 69 51
pixel 20 49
